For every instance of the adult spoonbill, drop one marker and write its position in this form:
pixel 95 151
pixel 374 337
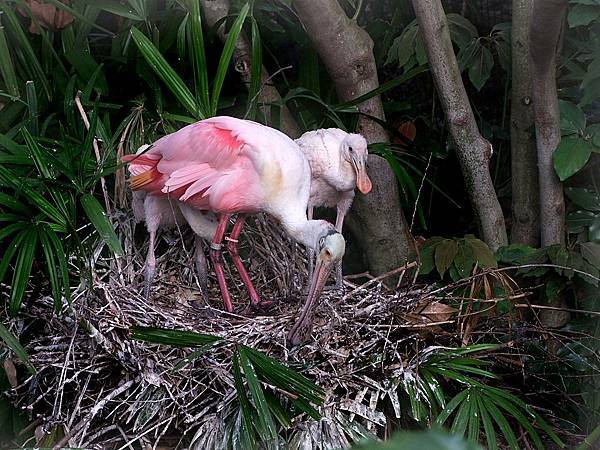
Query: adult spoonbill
pixel 338 162
pixel 233 166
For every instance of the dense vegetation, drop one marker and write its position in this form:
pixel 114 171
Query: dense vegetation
pixel 84 82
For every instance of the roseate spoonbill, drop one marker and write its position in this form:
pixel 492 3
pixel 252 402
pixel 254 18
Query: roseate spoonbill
pixel 234 166
pixel 160 212
pixel 338 162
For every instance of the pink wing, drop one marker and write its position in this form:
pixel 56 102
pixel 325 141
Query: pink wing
pixel 206 165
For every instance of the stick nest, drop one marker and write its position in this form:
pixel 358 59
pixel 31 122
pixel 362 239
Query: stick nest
pixel 106 390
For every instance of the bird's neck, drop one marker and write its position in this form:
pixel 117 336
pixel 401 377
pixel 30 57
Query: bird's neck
pixel 305 232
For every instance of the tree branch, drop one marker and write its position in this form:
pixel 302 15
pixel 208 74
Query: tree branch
pixel 472 149
pixel 346 50
pixel 544 33
pixel 524 171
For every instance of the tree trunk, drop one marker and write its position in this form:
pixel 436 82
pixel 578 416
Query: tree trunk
pixel 346 50
pixel 472 149
pixel 544 32
pixel 525 189
pixel 544 38
pixel 215 10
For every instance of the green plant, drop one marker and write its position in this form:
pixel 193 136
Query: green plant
pixel 40 204
pixel 261 413
pixel 432 440
pixel 457 256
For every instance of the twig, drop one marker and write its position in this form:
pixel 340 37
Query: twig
pixel 95 410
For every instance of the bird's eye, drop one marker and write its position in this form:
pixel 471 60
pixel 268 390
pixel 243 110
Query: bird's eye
pixel 350 149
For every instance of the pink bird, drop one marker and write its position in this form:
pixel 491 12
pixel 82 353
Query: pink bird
pixel 232 166
pixel 338 162
pixel 161 212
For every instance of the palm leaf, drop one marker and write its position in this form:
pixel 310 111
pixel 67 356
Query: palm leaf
pixel 97 216
pixel 247 430
pixel 226 55
pixel 173 337
pixel 11 341
pixel 7 68
pixel 22 270
pixel 255 72
pixel 199 59
pixel 162 68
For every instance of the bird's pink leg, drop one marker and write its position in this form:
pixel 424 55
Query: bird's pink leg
pixel 232 246
pixel 216 256
pixel 339 276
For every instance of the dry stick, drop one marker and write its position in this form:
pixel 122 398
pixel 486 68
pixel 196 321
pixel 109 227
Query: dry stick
pixel 397 270
pixel 95 410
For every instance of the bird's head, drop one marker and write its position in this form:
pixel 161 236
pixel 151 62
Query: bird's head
pixel 330 248
pixel 354 150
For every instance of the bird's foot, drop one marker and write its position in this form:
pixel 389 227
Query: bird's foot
pixel 259 307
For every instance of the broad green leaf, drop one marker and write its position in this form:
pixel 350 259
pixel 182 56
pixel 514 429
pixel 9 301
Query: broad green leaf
pixel 97 216
pixel 591 253
pixel 426 255
pixel 482 253
pixel 571 155
pixel 419 440
pixel 406 45
pixel 514 253
pixel 572 118
pixel 226 55
pixel 420 52
pixel 468 53
pixel 578 220
pixel 464 259
pixel 582 15
pixel 162 68
pixel 22 270
pixel 11 341
pixel 480 68
pixel 584 198
pixel 462 31
pixel 593 132
pixel 173 337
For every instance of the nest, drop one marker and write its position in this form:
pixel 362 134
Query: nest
pixel 105 390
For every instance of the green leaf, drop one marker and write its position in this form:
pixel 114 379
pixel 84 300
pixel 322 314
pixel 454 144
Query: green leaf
pixel 571 155
pixel 591 253
pixel 114 7
pixel 584 198
pixel 228 48
pixel 445 252
pixel 246 411
pixel 578 220
pixel 199 59
pixel 22 270
pixel 426 258
pixel 514 253
pixel 451 406
pixel 162 68
pixel 406 45
pixel 97 216
pixel 482 253
pixel 481 67
pixel 462 31
pixel 502 423
pixel 173 337
pixel 488 426
pixel 52 268
pixel 11 341
pixel 7 68
pixel 464 260
pixel 256 70
pixel 582 15
pixel 263 418
pixel 60 254
pixel 572 118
